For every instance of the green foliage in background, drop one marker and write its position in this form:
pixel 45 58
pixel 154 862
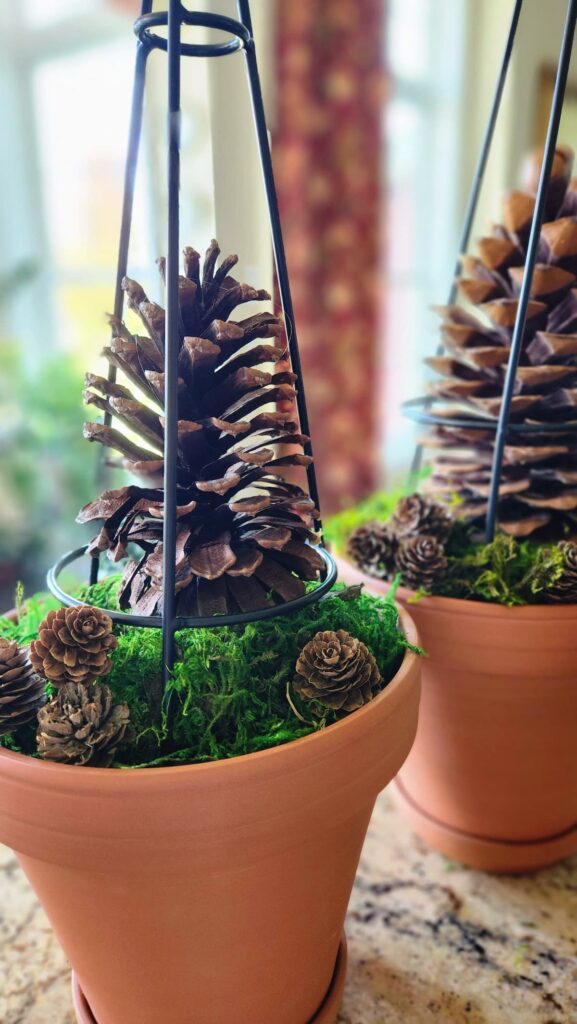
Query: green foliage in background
pixel 47 470
pixel 339 527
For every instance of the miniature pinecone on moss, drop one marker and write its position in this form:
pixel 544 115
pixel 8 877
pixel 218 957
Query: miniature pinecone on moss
pixel 565 588
pixel 420 560
pixel 73 645
pixel 21 690
pixel 417 515
pixel 82 725
pixel 337 670
pixel 372 547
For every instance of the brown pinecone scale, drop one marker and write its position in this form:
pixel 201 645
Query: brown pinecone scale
pixel 73 645
pixel 538 486
pixel 565 588
pixel 421 561
pixel 417 514
pixel 372 547
pixel 21 690
pixel 337 670
pixel 82 725
pixel 244 532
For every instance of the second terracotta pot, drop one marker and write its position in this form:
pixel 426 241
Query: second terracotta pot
pixel 213 893
pixel 492 777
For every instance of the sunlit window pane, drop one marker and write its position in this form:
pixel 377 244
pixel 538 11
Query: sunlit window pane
pixel 41 13
pixel 82 104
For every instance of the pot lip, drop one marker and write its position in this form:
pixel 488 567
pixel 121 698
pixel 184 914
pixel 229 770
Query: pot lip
pixel 463 606
pixel 29 767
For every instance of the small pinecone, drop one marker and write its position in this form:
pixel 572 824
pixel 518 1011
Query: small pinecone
pixel 372 547
pixel 82 725
pixel 337 670
pixel 565 588
pixel 418 515
pixel 420 560
pixel 21 690
pixel 73 645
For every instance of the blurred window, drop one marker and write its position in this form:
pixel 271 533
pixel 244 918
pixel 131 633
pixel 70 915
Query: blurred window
pixel 425 47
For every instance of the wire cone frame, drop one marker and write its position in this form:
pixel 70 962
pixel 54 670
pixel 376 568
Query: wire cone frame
pixel 503 413
pixel 223 536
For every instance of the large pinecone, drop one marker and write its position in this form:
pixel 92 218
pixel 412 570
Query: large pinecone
pixel 73 645
pixel 565 588
pixel 21 690
pixel 421 561
pixel 337 670
pixel 417 514
pixel 372 547
pixel 242 529
pixel 539 479
pixel 82 725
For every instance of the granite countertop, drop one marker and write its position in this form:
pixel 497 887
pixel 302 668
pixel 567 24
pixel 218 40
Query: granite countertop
pixel 429 941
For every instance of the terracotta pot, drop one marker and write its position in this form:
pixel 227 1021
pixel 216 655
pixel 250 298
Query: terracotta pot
pixel 214 892
pixel 492 777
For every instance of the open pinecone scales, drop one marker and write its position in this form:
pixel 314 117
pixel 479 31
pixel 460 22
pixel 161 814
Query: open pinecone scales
pixel 244 533
pixel 539 479
pixel 21 690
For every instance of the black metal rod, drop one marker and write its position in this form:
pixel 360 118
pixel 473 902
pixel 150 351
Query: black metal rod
pixel 130 167
pixel 243 8
pixel 478 178
pixel 531 257
pixel 171 342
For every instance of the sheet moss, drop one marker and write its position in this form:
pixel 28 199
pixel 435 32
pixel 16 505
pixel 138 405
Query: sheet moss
pixel 229 686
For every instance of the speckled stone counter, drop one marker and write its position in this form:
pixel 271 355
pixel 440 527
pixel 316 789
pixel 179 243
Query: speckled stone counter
pixel 428 942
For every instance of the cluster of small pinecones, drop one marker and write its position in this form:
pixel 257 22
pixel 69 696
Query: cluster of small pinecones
pixel 412 543
pixel 80 724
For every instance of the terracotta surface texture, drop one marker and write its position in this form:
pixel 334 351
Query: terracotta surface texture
pixel 178 871
pixel 492 777
pixel 428 942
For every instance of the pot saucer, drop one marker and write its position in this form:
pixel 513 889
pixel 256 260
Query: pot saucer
pixel 327 1014
pixel 514 857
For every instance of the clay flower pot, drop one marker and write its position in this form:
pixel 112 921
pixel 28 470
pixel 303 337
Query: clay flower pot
pixel 492 777
pixel 211 892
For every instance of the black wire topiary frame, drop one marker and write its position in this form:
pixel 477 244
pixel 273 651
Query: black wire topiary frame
pixel 422 410
pixel 240 38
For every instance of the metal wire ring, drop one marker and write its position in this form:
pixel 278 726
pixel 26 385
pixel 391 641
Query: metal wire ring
pixel 241 36
pixel 186 622
pixel 430 418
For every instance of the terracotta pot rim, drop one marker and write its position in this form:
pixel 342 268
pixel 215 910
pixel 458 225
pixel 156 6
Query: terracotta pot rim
pixel 111 777
pixel 463 606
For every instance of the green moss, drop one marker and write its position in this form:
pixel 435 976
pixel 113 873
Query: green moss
pixel 103 594
pixel 30 615
pixel 228 693
pixel 507 571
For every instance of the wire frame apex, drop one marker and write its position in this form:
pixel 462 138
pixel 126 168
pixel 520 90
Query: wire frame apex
pixel 224 537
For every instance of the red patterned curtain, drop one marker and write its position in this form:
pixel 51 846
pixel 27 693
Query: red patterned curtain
pixel 327 152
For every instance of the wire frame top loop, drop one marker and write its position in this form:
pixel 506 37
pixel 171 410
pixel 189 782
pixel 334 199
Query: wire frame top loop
pixel 239 33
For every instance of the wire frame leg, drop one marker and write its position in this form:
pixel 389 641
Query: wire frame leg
pixel 525 293
pixel 473 200
pixel 244 14
pixel 172 342
pixel 134 136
